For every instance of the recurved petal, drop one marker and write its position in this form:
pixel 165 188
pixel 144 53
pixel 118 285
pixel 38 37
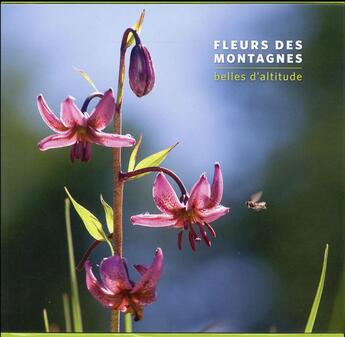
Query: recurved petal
pixel 200 194
pixel 216 187
pixel 164 195
pixel 102 114
pixel 57 140
pixel 140 268
pixel 48 116
pixel 114 274
pixel 145 289
pixel 109 139
pixel 70 114
pixel 101 294
pixel 212 214
pixel 154 220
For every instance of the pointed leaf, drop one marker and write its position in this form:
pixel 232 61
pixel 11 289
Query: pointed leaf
pixel 133 157
pixel 153 160
pixel 92 224
pixel 137 28
pixel 109 215
pixel 86 77
pixel 75 300
pixel 317 299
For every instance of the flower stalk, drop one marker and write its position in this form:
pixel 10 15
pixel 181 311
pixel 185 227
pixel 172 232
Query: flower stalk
pixel 88 252
pixel 178 181
pixel 89 99
pixel 118 182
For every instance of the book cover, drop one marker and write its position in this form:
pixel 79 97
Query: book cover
pixel 172 168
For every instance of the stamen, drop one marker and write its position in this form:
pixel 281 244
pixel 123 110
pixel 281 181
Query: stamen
pixel 71 155
pixel 212 231
pixel 191 238
pixel 86 152
pixel 179 239
pixel 191 229
pixel 204 235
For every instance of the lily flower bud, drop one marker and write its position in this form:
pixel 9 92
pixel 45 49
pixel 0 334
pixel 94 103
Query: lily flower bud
pixel 141 71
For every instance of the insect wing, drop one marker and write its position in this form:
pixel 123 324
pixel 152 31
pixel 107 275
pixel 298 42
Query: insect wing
pixel 256 196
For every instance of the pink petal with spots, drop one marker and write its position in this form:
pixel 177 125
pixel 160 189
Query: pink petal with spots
pixel 216 187
pixel 200 194
pixel 101 294
pixel 109 139
pixel 140 268
pixel 154 220
pixel 212 214
pixel 164 195
pixel 145 289
pixel 57 140
pixel 70 114
pixel 103 113
pixel 114 274
pixel 48 116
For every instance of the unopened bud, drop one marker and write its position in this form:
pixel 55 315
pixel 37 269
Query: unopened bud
pixel 141 71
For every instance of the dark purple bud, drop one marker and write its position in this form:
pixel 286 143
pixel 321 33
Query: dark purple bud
pixel 141 71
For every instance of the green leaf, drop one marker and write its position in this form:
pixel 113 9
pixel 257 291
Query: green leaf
pixel 45 320
pixel 137 27
pixel 92 224
pixel 75 301
pixel 153 160
pixel 105 238
pixel 109 216
pixel 134 153
pixel 317 299
pixel 86 77
pixel 128 323
pixel 67 312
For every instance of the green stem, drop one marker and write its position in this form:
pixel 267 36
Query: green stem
pixel 45 320
pixel 315 307
pixel 128 323
pixel 76 312
pixel 118 182
pixel 67 312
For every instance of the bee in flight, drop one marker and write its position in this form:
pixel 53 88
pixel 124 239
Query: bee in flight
pixel 255 203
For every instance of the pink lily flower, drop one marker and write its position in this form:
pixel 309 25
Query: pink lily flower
pixel 117 291
pixel 201 208
pixel 79 129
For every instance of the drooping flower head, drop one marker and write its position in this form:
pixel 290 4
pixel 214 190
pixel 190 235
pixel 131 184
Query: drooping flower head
pixel 117 291
pixel 200 209
pixel 80 129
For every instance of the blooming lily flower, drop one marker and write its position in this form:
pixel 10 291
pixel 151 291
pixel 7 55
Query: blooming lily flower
pixel 201 208
pixel 118 292
pixel 79 129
